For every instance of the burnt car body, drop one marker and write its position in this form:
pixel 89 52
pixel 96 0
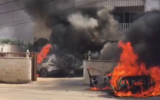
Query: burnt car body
pixel 134 84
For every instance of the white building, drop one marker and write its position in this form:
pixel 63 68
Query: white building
pixel 146 4
pixel 125 10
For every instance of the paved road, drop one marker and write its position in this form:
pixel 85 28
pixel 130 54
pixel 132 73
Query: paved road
pixel 55 89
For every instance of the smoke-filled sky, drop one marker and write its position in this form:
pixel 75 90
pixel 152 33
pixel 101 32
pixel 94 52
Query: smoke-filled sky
pixel 41 9
pixel 71 33
pixel 25 31
pixel 22 31
pixel 145 38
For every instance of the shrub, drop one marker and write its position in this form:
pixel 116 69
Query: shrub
pixel 15 42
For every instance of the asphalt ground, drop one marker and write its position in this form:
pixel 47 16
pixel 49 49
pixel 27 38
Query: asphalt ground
pixel 56 89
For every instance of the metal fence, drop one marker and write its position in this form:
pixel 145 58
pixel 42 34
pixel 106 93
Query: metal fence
pixel 115 3
pixel 123 26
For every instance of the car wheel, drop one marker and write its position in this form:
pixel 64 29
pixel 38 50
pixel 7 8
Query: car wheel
pixel 43 72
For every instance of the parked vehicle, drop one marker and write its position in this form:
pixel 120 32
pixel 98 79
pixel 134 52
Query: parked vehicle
pixel 48 67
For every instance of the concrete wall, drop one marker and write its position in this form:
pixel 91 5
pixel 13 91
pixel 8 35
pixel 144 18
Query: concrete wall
pixel 11 48
pixel 104 66
pixel 152 4
pixel 15 70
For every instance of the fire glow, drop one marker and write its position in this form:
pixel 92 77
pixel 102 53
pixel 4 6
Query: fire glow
pixel 43 53
pixel 128 67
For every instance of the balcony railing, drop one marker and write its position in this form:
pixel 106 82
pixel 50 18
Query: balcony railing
pixel 121 27
pixel 115 3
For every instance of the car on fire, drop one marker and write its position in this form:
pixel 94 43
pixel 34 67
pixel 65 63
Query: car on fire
pixel 48 67
pixel 66 65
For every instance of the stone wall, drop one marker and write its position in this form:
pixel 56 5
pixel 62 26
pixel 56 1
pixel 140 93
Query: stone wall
pixel 15 70
pixel 103 68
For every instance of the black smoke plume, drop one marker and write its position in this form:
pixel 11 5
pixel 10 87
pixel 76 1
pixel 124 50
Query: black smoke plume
pixel 144 36
pixel 110 52
pixel 75 32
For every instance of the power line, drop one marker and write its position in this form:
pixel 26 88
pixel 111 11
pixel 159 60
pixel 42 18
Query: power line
pixel 73 8
pixel 150 4
pixel 61 11
pixel 17 24
pixel 8 2
pixel 23 8
pixel 21 23
pixel 48 2
pixel 15 21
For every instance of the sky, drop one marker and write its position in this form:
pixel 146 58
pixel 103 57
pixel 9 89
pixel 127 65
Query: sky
pixel 152 4
pixel 13 30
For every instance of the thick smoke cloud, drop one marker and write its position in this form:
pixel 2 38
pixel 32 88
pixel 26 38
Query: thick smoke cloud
pixel 81 31
pixel 81 22
pixel 144 36
pixel 76 32
pixel 110 52
pixel 39 11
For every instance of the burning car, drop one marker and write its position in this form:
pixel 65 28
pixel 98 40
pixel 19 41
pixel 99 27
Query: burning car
pixel 48 67
pixel 129 77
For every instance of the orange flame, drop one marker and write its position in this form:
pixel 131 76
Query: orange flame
pixel 128 66
pixel 43 54
pixel 99 89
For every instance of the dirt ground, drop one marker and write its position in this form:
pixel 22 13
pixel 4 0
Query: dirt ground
pixel 55 89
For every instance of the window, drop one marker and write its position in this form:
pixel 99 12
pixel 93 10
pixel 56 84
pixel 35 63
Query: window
pixel 132 16
pixel 126 17
pixel 119 17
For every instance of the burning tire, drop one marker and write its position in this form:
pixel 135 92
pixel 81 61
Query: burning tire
pixel 130 83
pixel 43 72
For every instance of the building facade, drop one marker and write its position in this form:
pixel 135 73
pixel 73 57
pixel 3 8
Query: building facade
pixel 152 4
pixel 125 10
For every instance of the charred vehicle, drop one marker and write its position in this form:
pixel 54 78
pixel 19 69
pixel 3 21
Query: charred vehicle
pixel 133 84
